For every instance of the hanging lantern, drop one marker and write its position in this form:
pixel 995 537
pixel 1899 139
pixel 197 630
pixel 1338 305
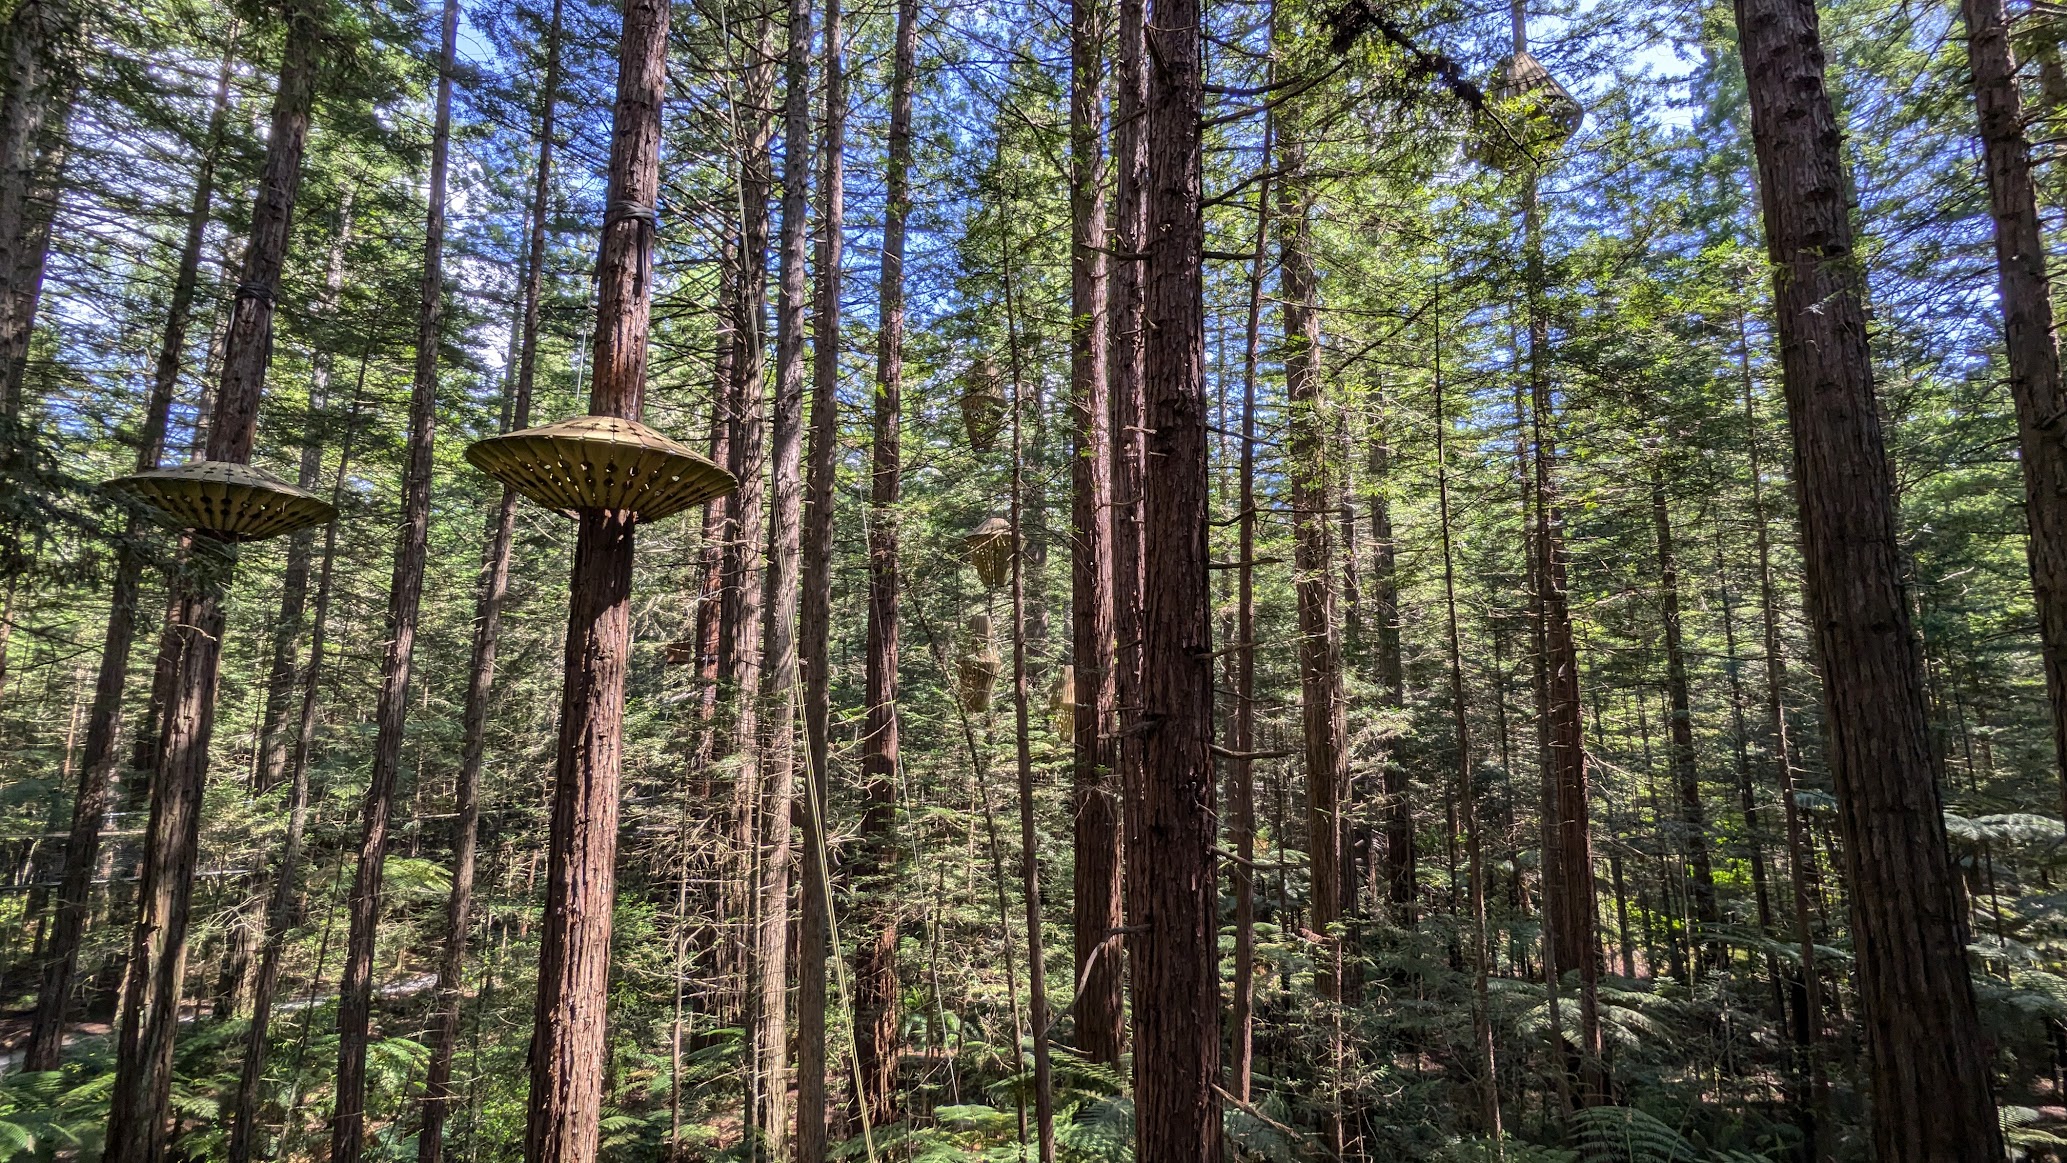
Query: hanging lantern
pixel 235 502
pixel 990 551
pixel 979 666
pixel 1062 703
pixel 680 652
pixel 601 462
pixel 1528 115
pixel 983 403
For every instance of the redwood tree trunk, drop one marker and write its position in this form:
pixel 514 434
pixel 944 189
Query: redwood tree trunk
pixel 2034 357
pixel 1686 778
pixel 779 644
pixel 405 599
pixel 815 608
pixel 104 716
pixel 875 972
pixel 1929 1068
pixel 41 83
pixel 1095 910
pixel 569 1049
pixel 137 1121
pixel 1172 897
pixel 1385 600
pixel 495 582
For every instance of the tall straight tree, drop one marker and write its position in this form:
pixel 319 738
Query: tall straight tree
pixel 96 789
pixel 1929 1068
pixel 1125 335
pixel 2034 355
pixel 1172 897
pixel 779 641
pixel 137 1120
pixel 875 970
pixel 1686 778
pixel 405 598
pixel 1096 916
pixel 495 584
pixel 815 605
pixel 35 110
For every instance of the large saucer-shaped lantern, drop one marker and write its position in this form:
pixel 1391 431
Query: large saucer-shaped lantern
pixel 990 551
pixel 1529 115
pixel 601 462
pixel 235 502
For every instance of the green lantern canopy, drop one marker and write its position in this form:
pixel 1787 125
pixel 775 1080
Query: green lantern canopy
pixel 1528 115
pixel 235 502
pixel 601 462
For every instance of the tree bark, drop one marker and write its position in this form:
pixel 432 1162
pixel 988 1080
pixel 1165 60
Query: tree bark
pixel 1171 892
pixel 875 973
pixel 2034 357
pixel 1396 783
pixel 779 645
pixel 1929 1069
pixel 96 789
pixel 1096 908
pixel 405 599
pixel 137 1121
pixel 1124 367
pixel 569 1048
pixel 1686 778
pixel 34 111
pixel 495 582
pixel 815 607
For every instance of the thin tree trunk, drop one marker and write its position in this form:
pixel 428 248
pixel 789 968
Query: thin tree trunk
pixel 2034 357
pixel 1096 908
pixel 1242 734
pixel 815 607
pixel 779 647
pixel 405 599
pixel 495 582
pixel 137 1122
pixel 1929 1069
pixel 569 1047
pixel 1395 782
pixel 1686 780
pixel 104 716
pixel 875 973
pixel 1323 723
pixel 244 1142
pixel 1172 897
pixel 1124 367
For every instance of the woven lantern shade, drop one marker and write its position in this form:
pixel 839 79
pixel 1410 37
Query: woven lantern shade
pixel 233 501
pixel 601 462
pixel 979 666
pixel 1062 702
pixel 990 551
pixel 983 404
pixel 1530 117
pixel 680 652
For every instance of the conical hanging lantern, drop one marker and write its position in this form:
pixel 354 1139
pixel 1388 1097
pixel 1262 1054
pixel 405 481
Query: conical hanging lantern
pixel 601 462
pixel 979 666
pixel 1062 703
pixel 983 404
pixel 1529 115
pixel 990 551
pixel 233 501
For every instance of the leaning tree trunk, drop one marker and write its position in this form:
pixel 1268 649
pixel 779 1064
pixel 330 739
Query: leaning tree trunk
pixel 1929 1067
pixel 779 643
pixel 495 583
pixel 569 1046
pixel 875 971
pixel 2034 358
pixel 104 716
pixel 815 609
pixel 1095 908
pixel 1172 897
pixel 137 1121
pixel 1686 778
pixel 405 599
